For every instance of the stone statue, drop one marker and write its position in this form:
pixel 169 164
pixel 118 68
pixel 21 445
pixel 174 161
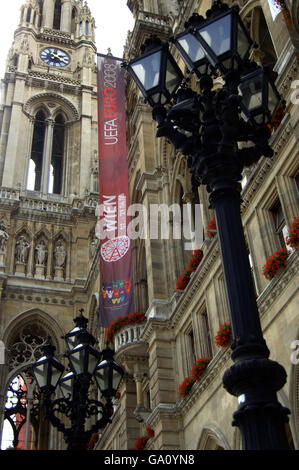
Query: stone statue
pixel 3 240
pixel 93 246
pixel 22 249
pixel 59 254
pixel 41 253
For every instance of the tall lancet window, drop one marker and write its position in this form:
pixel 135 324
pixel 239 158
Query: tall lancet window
pixel 40 22
pixel 57 15
pixel 36 161
pixel 56 167
pixel 45 170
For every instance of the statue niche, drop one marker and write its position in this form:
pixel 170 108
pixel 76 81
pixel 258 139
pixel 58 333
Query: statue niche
pixel 21 254
pixel 40 258
pixel 59 259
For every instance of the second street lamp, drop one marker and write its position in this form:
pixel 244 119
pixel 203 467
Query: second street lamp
pixel 207 127
pixel 76 405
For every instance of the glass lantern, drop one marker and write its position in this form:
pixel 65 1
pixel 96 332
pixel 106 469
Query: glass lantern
pixel 156 73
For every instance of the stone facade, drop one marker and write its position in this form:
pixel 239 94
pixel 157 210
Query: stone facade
pixel 181 325
pixel 49 255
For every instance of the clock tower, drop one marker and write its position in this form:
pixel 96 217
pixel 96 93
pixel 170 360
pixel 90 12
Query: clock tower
pixel 49 100
pixel 48 187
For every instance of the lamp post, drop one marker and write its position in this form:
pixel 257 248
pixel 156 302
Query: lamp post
pixel 86 365
pixel 206 127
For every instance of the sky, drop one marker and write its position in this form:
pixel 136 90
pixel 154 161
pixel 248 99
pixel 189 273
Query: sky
pixel 113 21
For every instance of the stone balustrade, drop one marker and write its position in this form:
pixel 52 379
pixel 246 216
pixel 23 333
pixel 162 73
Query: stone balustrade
pixel 130 335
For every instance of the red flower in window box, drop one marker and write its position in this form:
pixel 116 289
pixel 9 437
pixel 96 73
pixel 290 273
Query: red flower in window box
pixel 211 228
pixel 278 115
pixel 132 319
pixel 200 366
pixel 224 335
pixel 277 260
pixel 285 11
pixel 292 239
pixel 93 440
pixel 141 441
pixel 149 432
pixel 183 280
pixel 195 260
pixel 186 386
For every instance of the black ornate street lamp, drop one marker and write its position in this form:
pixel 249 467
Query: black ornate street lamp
pixel 85 362
pixel 207 127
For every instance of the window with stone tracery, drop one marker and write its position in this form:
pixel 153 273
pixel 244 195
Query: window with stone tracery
pixel 46 164
pixel 57 15
pixel 20 427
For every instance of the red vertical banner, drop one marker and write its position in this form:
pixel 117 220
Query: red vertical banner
pixel 116 290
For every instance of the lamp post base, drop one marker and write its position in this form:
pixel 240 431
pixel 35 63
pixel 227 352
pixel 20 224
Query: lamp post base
pixel 260 417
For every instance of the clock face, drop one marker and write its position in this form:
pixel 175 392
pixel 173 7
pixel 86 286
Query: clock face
pixel 55 57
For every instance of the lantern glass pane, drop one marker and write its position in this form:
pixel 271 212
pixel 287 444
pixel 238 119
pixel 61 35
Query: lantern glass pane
pixel 172 79
pixel 147 69
pixel 218 35
pixel 102 375
pixel 41 372
pixel 243 43
pixel 67 386
pixel 56 374
pixel 77 359
pixel 116 379
pixel 93 360
pixel 192 47
pixel 252 92
pixel 72 338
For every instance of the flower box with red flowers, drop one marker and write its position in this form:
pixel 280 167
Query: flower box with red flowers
pixel 141 441
pixel 277 116
pixel 195 260
pixel 211 228
pixel 292 239
pixel 186 386
pixel 133 318
pixel 276 261
pixel 224 336
pixel 93 440
pixel 183 280
pixel 200 366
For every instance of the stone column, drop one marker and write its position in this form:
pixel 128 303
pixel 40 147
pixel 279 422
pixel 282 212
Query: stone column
pixel 47 154
pixel 13 166
pixel 138 380
pixel 48 13
pixel 66 16
pixel 28 149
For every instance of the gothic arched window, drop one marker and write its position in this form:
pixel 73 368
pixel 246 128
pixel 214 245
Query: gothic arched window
pixel 45 171
pixel 40 22
pixel 37 150
pixel 74 14
pixel 56 167
pixel 57 15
